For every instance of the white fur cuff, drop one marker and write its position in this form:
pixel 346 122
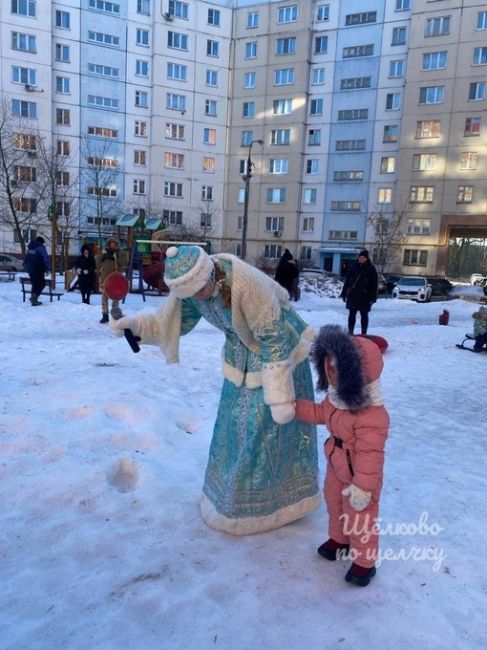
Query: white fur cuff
pixel 277 382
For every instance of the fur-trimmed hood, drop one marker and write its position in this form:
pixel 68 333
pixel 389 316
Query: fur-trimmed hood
pixel 349 364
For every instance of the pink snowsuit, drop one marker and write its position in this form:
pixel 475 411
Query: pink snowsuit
pixel 355 454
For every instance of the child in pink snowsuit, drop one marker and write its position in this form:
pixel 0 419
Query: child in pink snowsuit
pixel 349 368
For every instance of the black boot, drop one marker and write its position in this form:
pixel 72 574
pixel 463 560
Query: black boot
pixel 33 300
pixel 104 318
pixel 359 575
pixel 332 550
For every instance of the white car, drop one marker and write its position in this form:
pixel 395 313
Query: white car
pixel 10 263
pixel 413 288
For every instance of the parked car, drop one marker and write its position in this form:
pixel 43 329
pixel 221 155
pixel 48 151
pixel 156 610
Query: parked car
pixel 440 286
pixel 391 281
pixel 382 284
pixel 10 263
pixel 413 288
pixel 478 280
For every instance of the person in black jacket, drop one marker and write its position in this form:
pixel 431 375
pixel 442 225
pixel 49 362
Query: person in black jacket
pixel 85 268
pixel 287 274
pixel 36 264
pixel 360 291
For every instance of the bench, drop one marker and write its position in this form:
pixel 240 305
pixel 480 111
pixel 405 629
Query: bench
pixel 8 276
pixel 26 286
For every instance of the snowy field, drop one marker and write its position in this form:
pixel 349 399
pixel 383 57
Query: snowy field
pixel 103 454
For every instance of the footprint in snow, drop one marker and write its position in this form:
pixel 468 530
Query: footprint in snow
pixel 123 475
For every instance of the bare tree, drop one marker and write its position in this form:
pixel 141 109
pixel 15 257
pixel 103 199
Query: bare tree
pixel 208 213
pixel 388 236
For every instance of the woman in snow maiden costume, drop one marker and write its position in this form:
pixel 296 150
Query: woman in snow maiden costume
pixel 349 369
pixel 262 467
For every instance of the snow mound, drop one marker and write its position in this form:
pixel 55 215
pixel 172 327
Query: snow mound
pixel 321 285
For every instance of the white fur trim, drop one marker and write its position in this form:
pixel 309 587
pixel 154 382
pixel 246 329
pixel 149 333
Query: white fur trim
pixel 373 393
pixel 194 280
pixel 253 525
pixel 277 381
pixel 237 377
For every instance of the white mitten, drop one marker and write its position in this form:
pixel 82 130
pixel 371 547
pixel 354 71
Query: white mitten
pixel 118 326
pixel 359 499
pixel 283 413
pixel 78 271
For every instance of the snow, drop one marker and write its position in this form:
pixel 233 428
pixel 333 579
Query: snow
pixel 102 459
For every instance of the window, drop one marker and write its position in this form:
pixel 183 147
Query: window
pixel 246 138
pixel 105 163
pixel 282 106
pixel 177 40
pixel 318 76
pixel 173 189
pixel 62 85
pixel 178 9
pixel 353 114
pixel 141 99
pixel 100 131
pixel 252 19
pixel 435 60
pixel 103 5
pixel 205 220
pixel 350 145
pixel 23 204
pixel 361 19
pixel 348 176
pixel 316 107
pixel 476 91
pixel 387 165
pixel 308 224
pixel 104 39
pixel 276 195
pixel 174 131
pixel 403 5
pixel 62 19
pixel 102 102
pixel 24 75
pixel 177 71
pixel 210 107
pixel 355 82
pixel 63 208
pixel 343 234
pixel 399 36
pixel 142 68
pixel 428 129
pixel 62 52
pixel 143 7
pixel 208 165
pixel 209 136
pixel 468 160
pixel 391 133
pixel 287 14
pixel 309 195
pixel 322 13
pixel 140 129
pixel 346 206
pixel 358 51
pixel 249 79
pixel 24 141
pixel 465 194
pixel 419 226
pixel 24 109
pixel 24 8
pixel 248 109
pixel 437 26
pixel 212 47
pixel 176 102
pixel 280 136
pixel 396 68
pixel 140 157
pixel 274 223
pixel 425 161
pixel 62 148
pixel 278 166
pixel 305 253
pixel 25 174
pixel 214 17
pixel 212 78
pixel 283 76
pixel 173 217
pixel 108 190
pixel 243 167
pixel 393 101
pixel 241 195
pixel 142 37
pixel 421 194
pixel 272 251
pixel 314 137
pixel 312 166
pixel 173 160
pixel 384 195
pixel 479 56
pixel 415 257
pixel 103 70
pixel 139 186
pixel 431 94
pixel 286 46
pixel 63 116
pixel 321 45
pixel 472 126
pixel 482 20
pixel 207 193
pixel 23 42
pixel 251 50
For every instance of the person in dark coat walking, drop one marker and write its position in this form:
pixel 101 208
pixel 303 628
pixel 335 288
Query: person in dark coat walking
pixel 360 291
pixel 85 268
pixel 287 274
pixel 37 264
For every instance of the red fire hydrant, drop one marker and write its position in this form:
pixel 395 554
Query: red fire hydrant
pixel 444 318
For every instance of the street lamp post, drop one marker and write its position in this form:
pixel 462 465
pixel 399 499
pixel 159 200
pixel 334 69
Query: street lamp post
pixel 246 178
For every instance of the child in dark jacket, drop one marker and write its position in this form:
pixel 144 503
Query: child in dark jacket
pixel 480 329
pixel 85 268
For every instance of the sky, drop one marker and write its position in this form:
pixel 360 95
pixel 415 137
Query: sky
pixel 102 459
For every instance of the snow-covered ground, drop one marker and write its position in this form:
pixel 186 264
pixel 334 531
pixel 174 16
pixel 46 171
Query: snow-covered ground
pixel 102 458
